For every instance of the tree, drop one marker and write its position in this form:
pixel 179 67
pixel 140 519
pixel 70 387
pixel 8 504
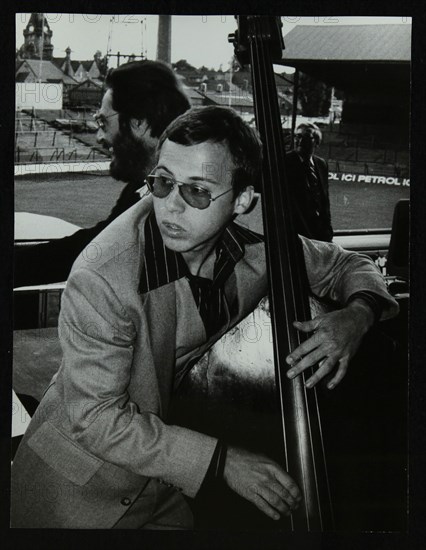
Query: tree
pixel 102 64
pixel 183 65
pixel 314 96
pixel 242 79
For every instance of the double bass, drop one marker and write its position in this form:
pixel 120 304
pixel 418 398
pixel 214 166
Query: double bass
pixel 260 408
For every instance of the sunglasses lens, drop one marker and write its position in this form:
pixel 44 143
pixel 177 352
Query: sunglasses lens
pixel 195 196
pixel 159 186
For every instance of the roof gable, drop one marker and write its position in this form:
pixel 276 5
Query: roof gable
pixel 46 71
pixel 87 65
pixel 89 83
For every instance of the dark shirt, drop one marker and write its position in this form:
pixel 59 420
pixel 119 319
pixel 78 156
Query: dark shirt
pixel 163 266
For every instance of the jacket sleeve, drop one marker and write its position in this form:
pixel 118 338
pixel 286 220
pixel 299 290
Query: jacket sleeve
pixel 336 274
pixel 97 339
pixel 51 262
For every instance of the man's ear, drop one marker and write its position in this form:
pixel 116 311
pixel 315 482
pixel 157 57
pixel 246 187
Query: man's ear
pixel 244 200
pixel 142 131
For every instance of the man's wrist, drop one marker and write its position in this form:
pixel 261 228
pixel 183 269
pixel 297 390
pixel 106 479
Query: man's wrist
pixel 369 303
pixel 216 468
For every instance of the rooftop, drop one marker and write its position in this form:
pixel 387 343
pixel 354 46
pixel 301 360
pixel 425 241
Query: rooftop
pixel 373 43
pixel 48 71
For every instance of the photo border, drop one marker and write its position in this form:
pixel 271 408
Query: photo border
pixel 417 411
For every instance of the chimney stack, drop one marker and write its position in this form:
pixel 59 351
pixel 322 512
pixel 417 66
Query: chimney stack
pixel 164 38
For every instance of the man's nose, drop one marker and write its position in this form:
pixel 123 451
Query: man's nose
pixel 174 201
pixel 100 134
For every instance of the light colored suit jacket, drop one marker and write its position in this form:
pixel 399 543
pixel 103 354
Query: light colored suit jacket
pixel 99 436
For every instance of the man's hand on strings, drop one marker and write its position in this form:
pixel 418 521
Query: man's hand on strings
pixel 261 481
pixel 335 339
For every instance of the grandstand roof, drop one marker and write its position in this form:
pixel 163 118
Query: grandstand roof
pixel 353 58
pixel 364 43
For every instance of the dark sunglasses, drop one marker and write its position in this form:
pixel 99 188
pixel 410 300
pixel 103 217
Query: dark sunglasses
pixel 197 197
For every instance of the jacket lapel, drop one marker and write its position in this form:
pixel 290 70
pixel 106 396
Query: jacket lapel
pixel 160 309
pixel 251 280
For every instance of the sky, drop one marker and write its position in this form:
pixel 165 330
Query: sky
pixel 201 40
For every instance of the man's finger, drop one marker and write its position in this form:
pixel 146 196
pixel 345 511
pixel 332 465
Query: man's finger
pixel 264 506
pixel 340 374
pixel 311 359
pixel 283 494
pixel 287 483
pixel 307 326
pixel 326 367
pixel 274 499
pixel 304 348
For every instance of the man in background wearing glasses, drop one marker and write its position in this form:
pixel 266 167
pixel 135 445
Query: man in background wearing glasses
pixel 308 179
pixel 175 274
pixel 141 99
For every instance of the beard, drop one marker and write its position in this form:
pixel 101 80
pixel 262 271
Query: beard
pixel 132 158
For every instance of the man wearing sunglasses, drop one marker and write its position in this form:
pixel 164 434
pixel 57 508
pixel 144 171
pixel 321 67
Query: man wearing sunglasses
pixel 308 177
pixel 175 274
pixel 141 99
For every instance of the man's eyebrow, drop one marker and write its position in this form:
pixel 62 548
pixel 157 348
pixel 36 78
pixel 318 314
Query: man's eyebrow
pixel 163 168
pixel 207 180
pixel 191 178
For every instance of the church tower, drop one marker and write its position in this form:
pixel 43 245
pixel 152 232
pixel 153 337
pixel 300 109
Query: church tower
pixel 37 35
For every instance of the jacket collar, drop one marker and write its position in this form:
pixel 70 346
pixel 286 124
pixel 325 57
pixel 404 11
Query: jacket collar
pixel 162 266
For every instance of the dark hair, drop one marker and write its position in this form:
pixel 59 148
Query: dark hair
pixel 221 125
pixel 146 90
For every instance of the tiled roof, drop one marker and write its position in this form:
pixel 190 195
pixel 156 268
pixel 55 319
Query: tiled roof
pixel 192 93
pixel 349 43
pixel 21 77
pixel 88 83
pixel 58 61
pixel 237 100
pixel 47 71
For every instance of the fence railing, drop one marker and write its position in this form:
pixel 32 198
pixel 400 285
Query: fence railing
pixel 48 155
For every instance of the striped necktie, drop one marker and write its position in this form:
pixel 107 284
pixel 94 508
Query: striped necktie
pixel 313 183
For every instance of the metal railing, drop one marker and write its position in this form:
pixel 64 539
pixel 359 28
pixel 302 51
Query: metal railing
pixel 48 155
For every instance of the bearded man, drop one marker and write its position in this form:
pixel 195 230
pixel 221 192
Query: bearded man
pixel 141 100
